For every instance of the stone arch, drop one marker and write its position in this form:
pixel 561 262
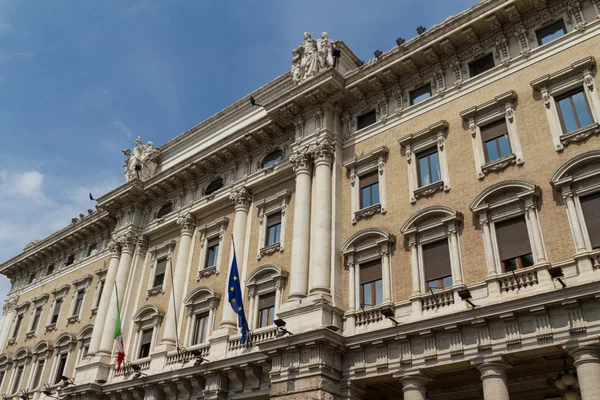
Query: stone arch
pixel 85 332
pixel 42 346
pixel 576 168
pixel 64 339
pixel 21 353
pixel 428 216
pixel 505 190
pixel 147 311
pixel 199 294
pixel 364 236
pixel 270 270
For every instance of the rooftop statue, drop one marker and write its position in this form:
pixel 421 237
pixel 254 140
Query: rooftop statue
pixel 141 163
pixel 312 57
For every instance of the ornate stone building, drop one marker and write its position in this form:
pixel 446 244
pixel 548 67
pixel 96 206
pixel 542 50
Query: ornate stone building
pixel 422 226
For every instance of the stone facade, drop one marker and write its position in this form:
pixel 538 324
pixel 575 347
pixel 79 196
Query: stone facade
pixel 162 243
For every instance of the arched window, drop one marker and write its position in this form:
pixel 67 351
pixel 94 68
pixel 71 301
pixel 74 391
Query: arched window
pixel 265 285
pixel 64 345
pixel 20 365
pixel 83 341
pixel 147 321
pixel 213 186
pixel 42 353
pixel 201 304
pixel 271 159
pixel 578 181
pixel 508 215
pixel 4 368
pixel 435 256
pixel 164 210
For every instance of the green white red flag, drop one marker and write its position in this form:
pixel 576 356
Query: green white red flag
pixel 119 335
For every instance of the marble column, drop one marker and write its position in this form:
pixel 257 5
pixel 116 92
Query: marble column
pixel 413 387
pixel 105 299
pixel 493 378
pixel 575 223
pixel 490 260
pixel 457 278
pixel 128 242
pixel 241 200
pixel 386 273
pixel 587 362
pixel 302 162
pixel 352 294
pixel 536 232
pixel 320 255
pixel 186 223
pixel 414 261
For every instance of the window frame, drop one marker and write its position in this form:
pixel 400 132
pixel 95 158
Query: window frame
pixel 98 289
pixel 275 226
pixel 478 60
pixel 65 345
pixel 427 154
pixel 214 191
pixel 79 285
pixel 372 111
pixel 269 310
pixel 416 143
pixel 552 86
pixel 560 111
pixel 411 99
pixel 59 293
pixel 538 40
pixel 261 164
pixel 478 117
pixel 38 302
pixel 163 251
pixel 265 279
pixel 269 206
pixel 208 232
pixel 147 317
pixel 200 301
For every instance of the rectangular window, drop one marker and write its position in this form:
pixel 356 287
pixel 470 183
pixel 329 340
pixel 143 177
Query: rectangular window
pixel 369 189
pixel 50 269
pixel 266 309
pixel 418 95
pixel 36 319
pixel 574 111
pixel 78 302
pixel 200 328
pixel 481 65
pixel 513 244
pixel 92 249
pixel 56 311
pixel 100 290
pixel 70 259
pixel 273 229
pixel 18 377
pixel 590 206
pixel 436 263
pixel 495 140
pixel 145 343
pixel 362 121
pixel 17 327
pixel 371 284
pixel 428 167
pixel 212 253
pixel 84 351
pixel 39 368
pixel 60 371
pixel 551 32
pixel 159 274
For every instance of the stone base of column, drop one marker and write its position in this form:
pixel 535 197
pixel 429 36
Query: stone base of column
pixel 585 265
pixel 312 313
pixel 93 369
pixel 317 387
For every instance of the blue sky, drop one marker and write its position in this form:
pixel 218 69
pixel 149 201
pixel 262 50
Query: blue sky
pixel 79 80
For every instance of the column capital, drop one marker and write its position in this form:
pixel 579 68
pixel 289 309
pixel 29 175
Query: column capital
pixel 127 241
pixel 142 244
pixel 187 223
pixel 301 160
pixel 114 247
pixel 414 383
pixel 241 198
pixel 322 152
pixel 585 354
pixel 492 369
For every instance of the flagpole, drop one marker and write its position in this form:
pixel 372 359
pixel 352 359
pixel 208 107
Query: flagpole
pixel 249 332
pixel 174 306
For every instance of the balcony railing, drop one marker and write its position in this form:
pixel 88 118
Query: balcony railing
pixel 184 355
pixel 368 316
pixel 439 299
pixel 127 369
pixel 519 279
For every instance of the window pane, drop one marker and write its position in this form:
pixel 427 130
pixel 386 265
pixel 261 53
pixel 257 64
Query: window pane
pixel 551 32
pixel 271 315
pixel 420 94
pixel 435 167
pixel 433 284
pixel 582 109
pixel 263 318
pixel 567 114
pixel 365 120
pixel 213 253
pixel 424 171
pixel 504 145
pixel 492 150
pixel 375 193
pixel 527 260
pixel 272 158
pixel 159 279
pixel 378 292
pixel 447 281
pixel 367 294
pixel 366 196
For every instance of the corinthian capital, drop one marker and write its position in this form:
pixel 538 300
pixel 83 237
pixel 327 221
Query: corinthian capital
pixel 241 197
pixel 143 243
pixel 301 160
pixel 322 151
pixel 186 223
pixel 114 247
pixel 127 241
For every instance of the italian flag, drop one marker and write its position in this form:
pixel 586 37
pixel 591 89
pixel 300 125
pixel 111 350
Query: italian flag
pixel 119 335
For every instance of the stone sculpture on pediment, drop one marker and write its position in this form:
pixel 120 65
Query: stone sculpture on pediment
pixel 141 163
pixel 312 57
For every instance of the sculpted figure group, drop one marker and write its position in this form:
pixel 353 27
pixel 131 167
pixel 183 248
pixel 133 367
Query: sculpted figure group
pixel 141 163
pixel 311 57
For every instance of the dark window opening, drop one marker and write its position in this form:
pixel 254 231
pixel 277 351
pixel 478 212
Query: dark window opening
pixel 17 327
pixel 266 309
pixel 495 140
pixel 36 319
pixel 38 373
pixel 60 371
pixel 70 259
pixel 590 206
pixel 100 290
pixel 92 250
pixel 213 252
pixel 31 278
pixel 362 121
pixel 371 284
pixel 200 326
pixel 159 274
pixel 574 111
pixel 481 65
pixel 551 32
pixel 164 210
pixel 145 343
pixel 18 377
pixel 272 158
pixel 273 229
pixel 418 95
pixel 56 311
pixel 78 302
pixel 369 189
pixel 428 167
pixel 50 269
pixel 514 247
pixel 213 186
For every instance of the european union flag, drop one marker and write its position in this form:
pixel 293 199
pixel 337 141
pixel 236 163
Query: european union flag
pixel 235 297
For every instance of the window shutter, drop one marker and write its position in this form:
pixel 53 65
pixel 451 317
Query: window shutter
pixel 512 237
pixel 436 259
pixel 590 205
pixel 369 179
pixel 161 265
pixel 370 272
pixel 213 242
pixel 493 130
pixel 266 301
pixel 274 219
pixel 146 336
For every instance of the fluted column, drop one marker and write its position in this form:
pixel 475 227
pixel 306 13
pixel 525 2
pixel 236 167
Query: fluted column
pixel 105 299
pixel 128 242
pixel 536 232
pixel 186 223
pixel 320 255
pixel 488 246
pixel 302 162
pixel 575 224
pixel 241 200
pixel 587 362
pixel 413 387
pixel 493 378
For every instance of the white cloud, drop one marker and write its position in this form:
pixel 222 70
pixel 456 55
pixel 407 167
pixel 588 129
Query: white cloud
pixel 26 184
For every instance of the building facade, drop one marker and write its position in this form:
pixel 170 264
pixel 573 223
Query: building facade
pixel 422 226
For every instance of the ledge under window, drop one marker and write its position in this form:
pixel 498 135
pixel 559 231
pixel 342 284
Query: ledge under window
pixel 154 291
pixel 499 164
pixel 203 273
pixel 50 327
pixel 94 311
pixel 580 134
pixel 30 334
pixel 270 249
pixel 367 212
pixel 73 319
pixel 430 189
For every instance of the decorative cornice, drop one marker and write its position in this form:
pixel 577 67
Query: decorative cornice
pixel 241 197
pixel 440 126
pixel 576 67
pixel 496 102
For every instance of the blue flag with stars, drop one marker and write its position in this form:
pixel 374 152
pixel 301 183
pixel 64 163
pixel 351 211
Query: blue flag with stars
pixel 235 297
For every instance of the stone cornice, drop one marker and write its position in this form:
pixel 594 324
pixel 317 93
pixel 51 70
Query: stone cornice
pixel 498 101
pixel 574 68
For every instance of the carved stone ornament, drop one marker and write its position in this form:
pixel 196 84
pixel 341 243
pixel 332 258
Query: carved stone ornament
pixel 10 304
pixel 186 222
pixel 273 248
pixel 241 197
pixel 203 273
pixel 141 162
pixel 154 291
pixel 311 57
pixel 322 151
pixel 301 160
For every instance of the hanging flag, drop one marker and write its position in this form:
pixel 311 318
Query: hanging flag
pixel 119 335
pixel 236 297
